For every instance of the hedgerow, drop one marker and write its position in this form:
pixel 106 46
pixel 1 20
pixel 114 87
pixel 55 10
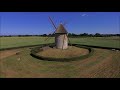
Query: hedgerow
pixel 35 50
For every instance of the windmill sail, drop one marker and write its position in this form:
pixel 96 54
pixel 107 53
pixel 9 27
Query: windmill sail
pixel 53 26
pixel 61 39
pixel 52 23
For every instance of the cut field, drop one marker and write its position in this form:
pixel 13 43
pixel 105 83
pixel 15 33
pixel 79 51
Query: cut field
pixel 7 42
pixel 72 51
pixel 102 64
pixel 98 41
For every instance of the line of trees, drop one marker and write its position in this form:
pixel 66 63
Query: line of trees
pixel 69 34
pixel 92 35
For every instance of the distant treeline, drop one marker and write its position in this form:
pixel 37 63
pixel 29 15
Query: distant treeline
pixel 92 35
pixel 69 34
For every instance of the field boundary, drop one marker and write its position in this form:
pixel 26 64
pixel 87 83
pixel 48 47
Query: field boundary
pixel 35 50
pixel 96 46
pixel 2 49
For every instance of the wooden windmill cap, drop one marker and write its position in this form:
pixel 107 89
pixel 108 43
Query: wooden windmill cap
pixel 61 29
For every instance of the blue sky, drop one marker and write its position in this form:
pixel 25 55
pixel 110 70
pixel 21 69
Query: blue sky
pixel 77 22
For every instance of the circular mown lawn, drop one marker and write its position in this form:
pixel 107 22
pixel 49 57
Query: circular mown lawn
pixel 54 54
pixel 72 51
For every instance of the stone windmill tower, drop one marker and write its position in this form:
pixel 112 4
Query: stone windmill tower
pixel 61 39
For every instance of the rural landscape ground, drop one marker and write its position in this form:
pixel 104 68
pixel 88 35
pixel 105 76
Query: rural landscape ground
pixel 104 63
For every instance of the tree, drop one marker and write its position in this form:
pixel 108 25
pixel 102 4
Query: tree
pixel 44 34
pixel 98 35
pixel 84 34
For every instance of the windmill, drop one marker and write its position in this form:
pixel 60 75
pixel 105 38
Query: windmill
pixel 61 39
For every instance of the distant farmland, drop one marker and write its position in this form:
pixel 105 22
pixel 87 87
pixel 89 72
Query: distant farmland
pixel 7 42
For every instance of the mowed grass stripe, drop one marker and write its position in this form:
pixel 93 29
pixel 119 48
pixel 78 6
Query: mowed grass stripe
pixel 106 66
pixel 8 42
pixel 95 41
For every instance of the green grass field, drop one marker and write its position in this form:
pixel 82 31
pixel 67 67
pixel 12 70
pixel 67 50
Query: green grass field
pixel 7 42
pixel 102 64
pixel 98 41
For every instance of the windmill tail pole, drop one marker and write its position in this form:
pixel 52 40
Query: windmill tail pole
pixel 48 38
